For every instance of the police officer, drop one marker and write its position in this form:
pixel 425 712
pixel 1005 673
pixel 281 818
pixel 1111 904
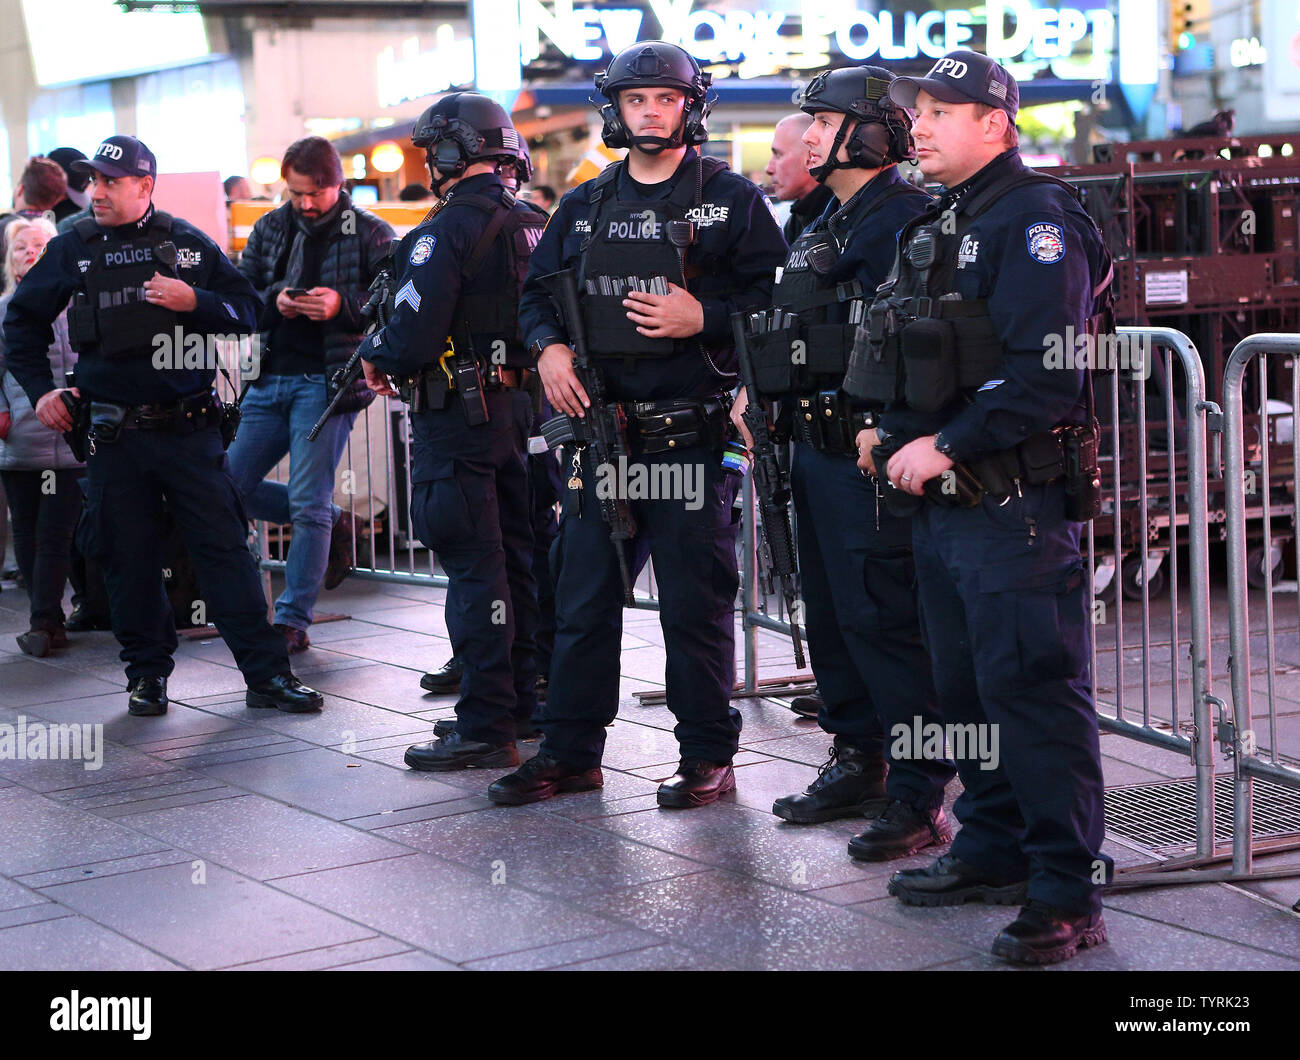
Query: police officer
pixel 855 556
pixel 544 481
pixel 452 339
pixel 148 292
pixel 981 428
pixel 666 245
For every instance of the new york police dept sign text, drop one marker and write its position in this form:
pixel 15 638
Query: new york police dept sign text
pixel 1015 28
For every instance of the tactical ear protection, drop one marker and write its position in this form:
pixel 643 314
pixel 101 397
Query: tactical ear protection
pixel 874 132
pixel 691 131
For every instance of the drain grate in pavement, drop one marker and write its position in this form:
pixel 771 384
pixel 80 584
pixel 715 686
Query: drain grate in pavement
pixel 1162 816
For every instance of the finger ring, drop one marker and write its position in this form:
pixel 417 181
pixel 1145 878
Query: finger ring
pixel 906 478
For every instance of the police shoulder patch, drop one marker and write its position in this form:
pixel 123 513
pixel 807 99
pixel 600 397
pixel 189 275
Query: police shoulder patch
pixel 1046 242
pixel 422 249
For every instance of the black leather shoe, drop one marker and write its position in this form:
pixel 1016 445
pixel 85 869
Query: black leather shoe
pixel 949 881
pixel 82 621
pixel 849 784
pixel 295 640
pixel 35 642
pixel 807 706
pixel 445 680
pixel 148 697
pixel 455 752
pixel 283 692
pixel 524 728
pixel 696 783
pixel 1044 935
pixel 342 535
pixel 542 777
pixel 899 831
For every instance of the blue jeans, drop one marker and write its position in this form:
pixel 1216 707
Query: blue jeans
pixel 279 410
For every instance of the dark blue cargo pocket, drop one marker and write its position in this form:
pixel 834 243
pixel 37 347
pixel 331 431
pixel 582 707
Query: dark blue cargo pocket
pixel 1033 599
pixel 440 514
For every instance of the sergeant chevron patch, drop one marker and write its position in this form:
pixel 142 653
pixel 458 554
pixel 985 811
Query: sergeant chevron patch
pixel 409 295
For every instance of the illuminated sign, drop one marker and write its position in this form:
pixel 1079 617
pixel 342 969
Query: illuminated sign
pixel 413 73
pixel 1014 29
pixel 1079 42
pixel 76 41
pixel 1242 52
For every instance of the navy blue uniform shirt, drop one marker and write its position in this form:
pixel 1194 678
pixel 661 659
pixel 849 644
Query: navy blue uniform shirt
pixel 737 233
pixel 429 283
pixel 868 241
pixel 1035 256
pixel 226 305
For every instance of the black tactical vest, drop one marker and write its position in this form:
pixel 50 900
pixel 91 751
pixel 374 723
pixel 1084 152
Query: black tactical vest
pixel 638 245
pixel 811 352
pixel 493 319
pixel 922 344
pixel 111 317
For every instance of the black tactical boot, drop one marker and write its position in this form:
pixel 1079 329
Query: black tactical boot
pixel 696 783
pixel 148 697
pixel 1042 934
pixel 283 692
pixel 453 751
pixel 899 831
pixel 950 881
pixel 807 706
pixel 542 777
pixel 445 680
pixel 849 784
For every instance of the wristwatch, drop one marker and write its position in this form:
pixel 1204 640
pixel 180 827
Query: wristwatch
pixel 535 350
pixel 942 445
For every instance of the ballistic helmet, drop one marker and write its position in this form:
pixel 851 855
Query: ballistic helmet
pixel 654 64
pixel 463 128
pixel 876 131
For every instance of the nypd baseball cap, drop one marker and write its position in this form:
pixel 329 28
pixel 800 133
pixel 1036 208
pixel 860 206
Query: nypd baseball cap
pixel 961 76
pixel 120 156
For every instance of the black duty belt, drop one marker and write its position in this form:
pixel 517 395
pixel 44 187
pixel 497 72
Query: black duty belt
pixel 658 426
pixel 167 415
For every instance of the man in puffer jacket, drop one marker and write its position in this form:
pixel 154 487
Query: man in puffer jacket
pixel 38 469
pixel 312 261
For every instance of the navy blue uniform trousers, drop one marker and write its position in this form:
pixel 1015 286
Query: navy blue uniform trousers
pixel 693 544
pixel 123 527
pixel 864 633
pixel 1004 604
pixel 471 503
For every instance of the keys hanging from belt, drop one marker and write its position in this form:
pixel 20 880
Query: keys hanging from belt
pixel 575 478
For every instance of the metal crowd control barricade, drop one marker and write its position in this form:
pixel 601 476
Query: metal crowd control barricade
pixel 1151 496
pixel 1257 479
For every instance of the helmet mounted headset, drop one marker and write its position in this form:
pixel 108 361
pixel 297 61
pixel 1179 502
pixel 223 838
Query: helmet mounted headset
pixel 463 128
pixel 654 64
pixel 875 132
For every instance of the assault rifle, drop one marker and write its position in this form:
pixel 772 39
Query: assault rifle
pixel 770 488
pixel 605 424
pixel 373 316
